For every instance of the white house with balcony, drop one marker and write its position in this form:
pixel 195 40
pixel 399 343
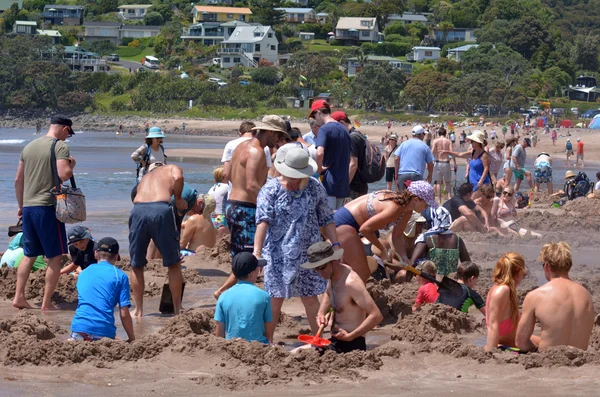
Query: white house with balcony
pixel 134 11
pixel 248 45
pixel 357 30
pixel 299 15
pixel 211 33
pixel 355 65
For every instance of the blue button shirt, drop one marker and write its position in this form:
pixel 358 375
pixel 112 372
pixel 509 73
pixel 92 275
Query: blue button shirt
pixel 100 287
pixel 414 156
pixel 335 139
pixel 244 309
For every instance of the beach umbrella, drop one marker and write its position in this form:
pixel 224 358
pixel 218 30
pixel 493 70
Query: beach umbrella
pixel 566 123
pixel 579 125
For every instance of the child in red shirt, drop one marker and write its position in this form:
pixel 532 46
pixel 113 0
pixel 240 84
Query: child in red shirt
pixel 428 292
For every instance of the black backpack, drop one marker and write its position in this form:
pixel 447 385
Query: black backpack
pixel 579 186
pixel 373 168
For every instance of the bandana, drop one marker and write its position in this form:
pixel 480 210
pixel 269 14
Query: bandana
pixel 440 220
pixel 424 191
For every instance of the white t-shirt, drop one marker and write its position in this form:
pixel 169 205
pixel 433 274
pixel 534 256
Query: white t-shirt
pixel 597 186
pixel 231 145
pixel 218 192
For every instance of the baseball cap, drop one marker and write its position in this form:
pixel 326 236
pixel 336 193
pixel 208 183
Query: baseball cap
pixel 59 119
pixel 340 116
pixel 418 130
pixel 319 104
pixel 108 244
pixel 78 233
pixel 528 141
pixel 578 139
pixel 245 263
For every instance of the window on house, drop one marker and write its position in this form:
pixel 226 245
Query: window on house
pixel 257 47
pixel 300 16
pixel 230 16
pixel 270 35
pixel 226 60
pixel 273 48
pixel 428 53
pixel 236 60
pixel 365 33
pixel 365 23
pixel 256 34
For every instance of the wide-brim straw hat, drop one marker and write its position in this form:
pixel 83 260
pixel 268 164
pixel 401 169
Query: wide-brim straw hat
pixel 476 136
pixel 569 174
pixel 272 123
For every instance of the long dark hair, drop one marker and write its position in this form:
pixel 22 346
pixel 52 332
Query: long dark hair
pixel 400 198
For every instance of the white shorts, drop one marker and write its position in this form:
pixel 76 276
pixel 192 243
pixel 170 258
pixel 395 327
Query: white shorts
pixel 442 172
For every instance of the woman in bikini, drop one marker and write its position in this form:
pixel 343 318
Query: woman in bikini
pixel 379 210
pixel 502 305
pixel 505 212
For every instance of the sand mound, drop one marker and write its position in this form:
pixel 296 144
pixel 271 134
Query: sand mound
pixel 28 324
pixel 561 356
pixel 65 292
pixel 221 252
pixel 393 300
pixel 289 326
pixel 193 277
pixel 431 323
pixel 153 265
pixel 584 206
pixel 196 321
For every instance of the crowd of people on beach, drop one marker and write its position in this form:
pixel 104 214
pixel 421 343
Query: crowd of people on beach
pixel 298 211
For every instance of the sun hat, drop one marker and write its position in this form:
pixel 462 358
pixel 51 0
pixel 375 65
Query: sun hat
pixel 78 233
pixel 321 253
pixel 317 105
pixel 155 165
pixel 528 141
pixel 209 206
pixel 476 136
pixel 393 137
pixel 578 139
pixel 155 132
pixel 424 191
pixel 418 130
pixel 569 174
pixel 340 116
pixel 272 123
pixel 295 163
pixel 245 263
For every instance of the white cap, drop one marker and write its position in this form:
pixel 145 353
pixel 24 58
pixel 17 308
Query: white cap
pixel 578 139
pixel 418 130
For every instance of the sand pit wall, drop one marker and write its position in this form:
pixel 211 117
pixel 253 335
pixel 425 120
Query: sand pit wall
pixel 393 300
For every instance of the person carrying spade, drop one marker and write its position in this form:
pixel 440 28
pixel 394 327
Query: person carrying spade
pixel 355 311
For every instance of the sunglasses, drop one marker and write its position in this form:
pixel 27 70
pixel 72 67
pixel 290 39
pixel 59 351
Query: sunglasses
pixel 322 267
pixel 509 194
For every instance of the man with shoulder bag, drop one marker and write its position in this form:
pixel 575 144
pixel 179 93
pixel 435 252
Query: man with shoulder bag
pixel 43 233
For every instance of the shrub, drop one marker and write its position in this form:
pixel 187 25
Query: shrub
pixel 276 103
pixel 126 40
pixel 134 43
pixel 118 105
pixel 265 75
pixel 74 101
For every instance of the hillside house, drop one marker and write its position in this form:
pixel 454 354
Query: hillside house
pixel 299 15
pixel 354 66
pixel 424 53
pixel 138 31
pixel 134 11
pixel 248 45
pixel 409 17
pixel 586 89
pixel 456 53
pixel 357 30
pixel 454 35
pixel 65 15
pixel 220 14
pixel 96 31
pixel 25 27
pixel 211 33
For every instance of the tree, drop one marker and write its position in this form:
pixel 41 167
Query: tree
pixel 382 9
pixel 264 12
pixel 445 27
pixel 267 75
pixel 314 67
pixel 153 18
pixel 164 10
pixel 426 89
pixel 107 6
pixel 466 92
pixel 378 83
pixel 395 28
pixel 102 47
pixel 585 51
pixel 526 36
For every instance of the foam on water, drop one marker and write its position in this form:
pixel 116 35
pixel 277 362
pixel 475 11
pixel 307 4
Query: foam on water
pixel 11 141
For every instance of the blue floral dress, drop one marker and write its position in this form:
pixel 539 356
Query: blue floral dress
pixel 294 219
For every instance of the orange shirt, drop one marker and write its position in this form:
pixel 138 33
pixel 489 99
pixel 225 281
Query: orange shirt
pixel 579 147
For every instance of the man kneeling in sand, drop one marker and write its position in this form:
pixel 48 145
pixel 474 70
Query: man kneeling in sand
pixel 100 287
pixel 355 312
pixel 563 307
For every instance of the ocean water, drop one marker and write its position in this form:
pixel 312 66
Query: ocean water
pixel 104 172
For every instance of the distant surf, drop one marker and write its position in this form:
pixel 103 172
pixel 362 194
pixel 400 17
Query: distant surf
pixel 11 141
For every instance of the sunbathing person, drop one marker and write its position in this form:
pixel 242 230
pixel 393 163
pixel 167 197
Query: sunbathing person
pixel 505 213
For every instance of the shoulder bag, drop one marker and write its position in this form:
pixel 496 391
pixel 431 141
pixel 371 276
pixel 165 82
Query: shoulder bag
pixel 70 201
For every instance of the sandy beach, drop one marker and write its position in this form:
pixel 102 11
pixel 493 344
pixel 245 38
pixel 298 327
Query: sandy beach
pixel 437 352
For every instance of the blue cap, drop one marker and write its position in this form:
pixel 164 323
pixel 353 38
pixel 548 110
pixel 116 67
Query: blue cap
pixel 155 132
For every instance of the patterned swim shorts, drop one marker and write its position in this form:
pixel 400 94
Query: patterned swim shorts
pixel 543 173
pixel 241 219
pixel 218 220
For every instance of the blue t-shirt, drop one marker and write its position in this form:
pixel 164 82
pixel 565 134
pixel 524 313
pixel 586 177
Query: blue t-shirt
pixel 100 287
pixel 309 138
pixel 414 156
pixel 335 139
pixel 244 309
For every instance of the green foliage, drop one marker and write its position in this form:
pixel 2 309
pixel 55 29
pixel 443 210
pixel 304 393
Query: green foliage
pixel 163 9
pixel 74 102
pixel 265 75
pixel 127 52
pixel 386 48
pixel 395 28
pixel 448 66
pixel 378 84
pixel 291 45
pixel 264 12
pixel 426 89
pixel 153 18
pixel 102 47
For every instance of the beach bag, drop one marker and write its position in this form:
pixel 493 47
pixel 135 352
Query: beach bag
pixel 578 187
pixel 70 201
pixel 373 168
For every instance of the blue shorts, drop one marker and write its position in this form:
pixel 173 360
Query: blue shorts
pixel 43 234
pixel 241 218
pixel 153 221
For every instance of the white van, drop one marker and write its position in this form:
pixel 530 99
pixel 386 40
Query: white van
pixel 150 62
pixel 214 80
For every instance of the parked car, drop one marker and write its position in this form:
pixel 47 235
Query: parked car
pixel 589 114
pixel 113 58
pixel 557 111
pixel 214 80
pixel 575 111
pixel 534 110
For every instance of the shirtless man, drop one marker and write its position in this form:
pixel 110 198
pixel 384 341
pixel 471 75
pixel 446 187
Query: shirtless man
pixel 199 230
pixel 442 169
pixel 248 175
pixel 355 313
pixel 563 307
pixel 153 217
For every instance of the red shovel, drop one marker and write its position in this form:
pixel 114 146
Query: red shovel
pixel 317 340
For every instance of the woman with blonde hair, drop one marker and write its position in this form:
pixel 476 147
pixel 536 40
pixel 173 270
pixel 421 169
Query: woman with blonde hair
pixel 502 304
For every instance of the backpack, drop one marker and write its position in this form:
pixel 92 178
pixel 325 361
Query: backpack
pixel 579 186
pixel 569 146
pixel 373 168
pixel 146 158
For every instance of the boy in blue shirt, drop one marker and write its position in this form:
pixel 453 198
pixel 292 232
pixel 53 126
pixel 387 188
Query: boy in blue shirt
pixel 101 286
pixel 244 310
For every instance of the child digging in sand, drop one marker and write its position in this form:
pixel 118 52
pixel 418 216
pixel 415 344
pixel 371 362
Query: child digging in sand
pixel 428 292
pixel 467 274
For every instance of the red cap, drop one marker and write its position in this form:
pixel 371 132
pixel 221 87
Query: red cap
pixel 320 104
pixel 340 116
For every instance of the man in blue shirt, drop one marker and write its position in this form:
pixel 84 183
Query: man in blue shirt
pixel 244 310
pixel 333 154
pixel 411 158
pixel 100 287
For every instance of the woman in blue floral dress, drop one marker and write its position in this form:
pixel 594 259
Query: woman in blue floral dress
pixel 290 210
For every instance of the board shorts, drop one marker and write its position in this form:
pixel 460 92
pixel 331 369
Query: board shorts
pixel 218 220
pixel 81 336
pixel 543 173
pixel 340 346
pixel 569 152
pixel 519 174
pixel 153 221
pixel 241 219
pixel 43 234
pixel 409 176
pixel 389 174
pixel 579 156
pixel 442 171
